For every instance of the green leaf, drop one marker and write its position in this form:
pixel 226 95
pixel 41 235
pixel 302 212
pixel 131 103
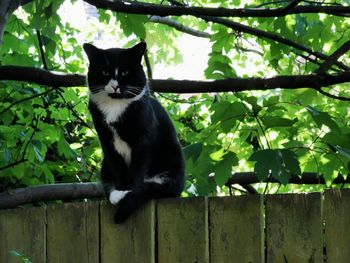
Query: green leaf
pixel 336 138
pixel 193 151
pixel 223 168
pixel 49 177
pixel 272 121
pixel 322 118
pixel 253 101
pixel 37 148
pixel 65 150
pixel 133 24
pixel 19 171
pixel 104 15
pixel 280 163
pixel 7 155
pixel 227 114
pixel 343 151
pixel 330 168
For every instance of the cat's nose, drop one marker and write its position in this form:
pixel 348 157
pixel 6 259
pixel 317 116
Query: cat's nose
pixel 116 89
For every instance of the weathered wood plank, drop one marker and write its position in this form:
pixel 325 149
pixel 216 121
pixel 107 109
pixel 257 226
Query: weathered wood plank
pixel 24 231
pixel 131 241
pixel 182 230
pixel 73 233
pixel 337 225
pixel 236 229
pixel 294 228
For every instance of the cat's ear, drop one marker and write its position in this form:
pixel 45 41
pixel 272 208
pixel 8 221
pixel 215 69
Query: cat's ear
pixel 91 51
pixel 138 50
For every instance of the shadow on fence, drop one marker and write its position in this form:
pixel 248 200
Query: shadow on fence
pixel 290 228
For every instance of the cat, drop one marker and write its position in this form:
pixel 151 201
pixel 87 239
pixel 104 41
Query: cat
pixel 142 157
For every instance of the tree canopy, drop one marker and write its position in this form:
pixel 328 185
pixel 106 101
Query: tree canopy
pixel 274 97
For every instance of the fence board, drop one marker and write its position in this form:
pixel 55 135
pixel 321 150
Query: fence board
pixel 182 230
pixel 73 233
pixel 132 241
pixel 23 230
pixel 294 228
pixel 236 229
pixel 337 225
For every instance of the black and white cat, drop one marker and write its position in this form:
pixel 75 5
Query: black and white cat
pixel 142 156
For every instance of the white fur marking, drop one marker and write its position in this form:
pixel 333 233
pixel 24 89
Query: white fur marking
pixel 111 108
pixel 122 148
pixel 156 179
pixel 109 88
pixel 115 196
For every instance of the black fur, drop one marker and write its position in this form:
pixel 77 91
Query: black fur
pixel 144 126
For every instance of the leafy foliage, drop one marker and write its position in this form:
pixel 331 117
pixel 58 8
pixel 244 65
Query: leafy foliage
pixel 46 135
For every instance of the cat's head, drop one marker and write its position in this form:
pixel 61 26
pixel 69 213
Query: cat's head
pixel 116 72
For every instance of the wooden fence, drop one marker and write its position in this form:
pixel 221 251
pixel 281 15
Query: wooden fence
pixel 290 228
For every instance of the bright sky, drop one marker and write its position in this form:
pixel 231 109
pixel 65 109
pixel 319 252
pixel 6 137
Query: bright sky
pixel 193 49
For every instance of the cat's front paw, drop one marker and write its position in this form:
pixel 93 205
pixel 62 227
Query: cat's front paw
pixel 115 196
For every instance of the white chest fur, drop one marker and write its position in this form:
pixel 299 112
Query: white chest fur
pixel 122 147
pixel 111 108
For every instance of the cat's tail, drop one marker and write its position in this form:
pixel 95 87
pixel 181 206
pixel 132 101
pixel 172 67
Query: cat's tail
pixel 159 186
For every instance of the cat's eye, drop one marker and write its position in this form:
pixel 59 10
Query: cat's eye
pixel 105 73
pixel 124 73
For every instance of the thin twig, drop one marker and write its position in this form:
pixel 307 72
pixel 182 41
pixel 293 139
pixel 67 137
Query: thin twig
pixel 25 99
pixel 41 49
pixel 325 93
pixel 35 129
pixel 12 164
pixel 178 26
pixel 71 108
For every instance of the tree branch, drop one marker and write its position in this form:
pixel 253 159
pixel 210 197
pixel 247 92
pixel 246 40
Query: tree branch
pixel 306 178
pixel 239 84
pixel 12 164
pixel 54 79
pixel 267 35
pixel 25 99
pixel 42 77
pixel 178 26
pixel 34 194
pixel 271 36
pixel 49 192
pixel 331 60
pixel 134 7
pixel 325 93
pixel 41 49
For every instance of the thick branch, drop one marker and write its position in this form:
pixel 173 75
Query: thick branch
pixel 239 84
pixel 54 79
pixel 134 7
pixel 70 191
pixel 42 77
pixel 49 192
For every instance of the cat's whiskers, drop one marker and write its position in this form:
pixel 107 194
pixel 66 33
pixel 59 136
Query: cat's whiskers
pixel 134 91
pixel 134 88
pixel 96 88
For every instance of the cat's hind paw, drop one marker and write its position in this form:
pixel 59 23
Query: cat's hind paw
pixel 115 196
